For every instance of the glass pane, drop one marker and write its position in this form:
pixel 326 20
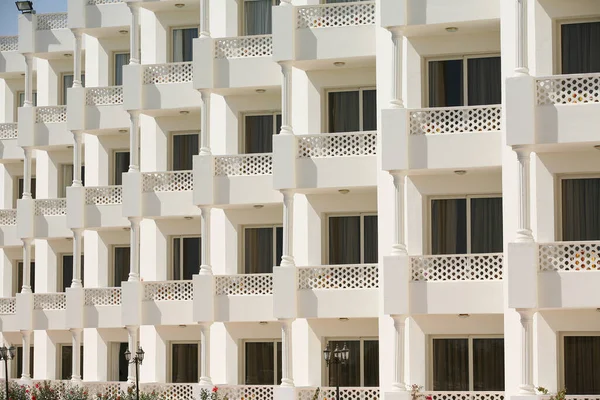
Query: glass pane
pixel 66 179
pixel 370 239
pixel 183 50
pixel 67 83
pixel 191 257
pixel 488 364
pixel 21 188
pixel 279 372
pixel 278 245
pixel 20 276
pixel 120 61
pixel 582 364
pixel 277 123
pixel 121 166
pixel 259 134
pixel 184 363
pixel 344 240
pixel 446 83
pixel 371 363
pixel 21 100
pixel 484 81
pixel 258 250
pixel 121 263
pixel 579 48
pixel 67 271
pixel 451 364
pixel 486 225
pixel 580 211
pixel 344 112
pixel 177 259
pixel 349 373
pixel 449 226
pixel 123 364
pixel 369 110
pixel 257 17
pixel 20 361
pixel 260 359
pixel 185 147
pixel 66 359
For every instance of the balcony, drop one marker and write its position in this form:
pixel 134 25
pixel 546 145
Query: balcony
pixel 346 393
pixel 94 14
pixel 49 311
pixel 11 61
pixel 9 148
pixel 44 33
pixel 43 127
pixel 96 108
pixel 8 229
pixel 167 302
pixel 243 297
pixel 465 395
pixel 42 218
pixel 441 138
pixel 168 193
pixel 102 307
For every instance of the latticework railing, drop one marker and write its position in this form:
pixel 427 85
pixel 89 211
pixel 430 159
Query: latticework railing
pixel 337 145
pixel 336 15
pixel 467 267
pixel 249 392
pixel 8 305
pixel 169 181
pixel 168 291
pixel 432 121
pixel 244 46
pixel 244 165
pixel 170 391
pixel 110 389
pixel 51 114
pixel 346 393
pixel 9 43
pixel 51 21
pixel 50 207
pixel 104 96
pixel 8 130
pixel 110 296
pixel 104 195
pixel 49 301
pixel 465 395
pixel 8 217
pixel 168 73
pixel 569 256
pixel 568 89
pixel 244 284
pixel 99 2
pixel 360 276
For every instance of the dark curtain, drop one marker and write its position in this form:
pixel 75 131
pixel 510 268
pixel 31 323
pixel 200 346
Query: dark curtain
pixel 67 271
pixel 257 17
pixel 66 366
pixel 278 245
pixel 185 147
pixel 344 112
pixel 371 363
pixel 449 226
pixel 121 166
pixel 20 276
pixel 446 83
pixel 183 44
pixel 258 250
pixel 344 240
pixel 370 240
pixel 484 81
pixel 486 225
pixel 20 188
pixel 579 48
pixel 451 364
pixel 581 209
pixel 20 361
pixel 186 257
pixel 120 60
pixel 68 83
pixel 582 364
pixel 184 363
pixel 279 365
pixel 349 374
pixel 369 110
pixel 488 364
pixel 259 134
pixel 277 123
pixel 260 359
pixel 123 364
pixel 121 263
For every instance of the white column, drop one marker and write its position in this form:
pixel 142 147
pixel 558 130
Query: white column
pixel 132 345
pixel 205 268
pixel 205 123
pixel 25 375
pixel 524 233
pixel 77 59
pixel 521 67
pixel 287 376
pixel 28 81
pixel 26 266
pixel 27 174
pixel 399 246
pixel 134 34
pixel 287 259
pixel 399 384
pixel 77 160
pixel 77 236
pixel 397 40
pixel 76 361
pixel 286 99
pixel 134 141
pixel 286 3
pixel 205 354
pixel 134 269
pixel 526 386
pixel 204 18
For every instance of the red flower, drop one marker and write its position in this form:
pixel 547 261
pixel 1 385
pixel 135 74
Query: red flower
pixel 215 389
pixel 37 385
pixel 33 397
pixel 428 398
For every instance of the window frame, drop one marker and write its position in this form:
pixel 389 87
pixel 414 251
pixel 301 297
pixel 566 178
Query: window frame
pixel 243 115
pixel 13 367
pixel 242 369
pixel 242 264
pixel 171 145
pixel 361 339
pixel 169 372
pixel 360 90
pixel 170 275
pixel 61 269
pixel 61 177
pixel 113 360
pixel 16 287
pixel 62 101
pixel 557 39
pixel 16 181
pixel 111 272
pixel 113 72
pixel 170 39
pixel 242 19
pixel 59 363
pixel 362 234
pixel 558 214
pixel 112 168
pixel 17 102
pixel 561 352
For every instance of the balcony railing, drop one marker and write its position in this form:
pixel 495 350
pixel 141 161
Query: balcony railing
pixel 104 96
pixel 468 267
pixel 168 291
pixel 346 393
pixel 8 217
pixel 49 301
pixel 360 276
pixel 8 305
pixel 168 73
pixel 336 15
pixel 465 395
pixel 170 391
pixel 244 46
pixel 568 89
pixel 569 256
pixel 102 296
pixel 99 2
pixel 248 392
pixel 337 145
pixel 8 130
pixel 50 207
pixel 51 114
pixel 51 21
pixel 168 181
pixel 244 165
pixel 104 195
pixel 9 43
pixel 244 284
pixel 435 121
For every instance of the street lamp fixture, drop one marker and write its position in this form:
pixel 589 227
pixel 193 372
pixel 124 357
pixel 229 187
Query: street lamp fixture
pixel 26 7
pixel 5 355
pixel 338 357
pixel 137 359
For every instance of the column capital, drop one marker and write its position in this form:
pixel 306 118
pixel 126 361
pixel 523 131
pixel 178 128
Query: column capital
pixel 288 194
pixel 396 31
pixel 526 314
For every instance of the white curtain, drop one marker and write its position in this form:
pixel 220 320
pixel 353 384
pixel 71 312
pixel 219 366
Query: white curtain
pixel 120 60
pixel 183 44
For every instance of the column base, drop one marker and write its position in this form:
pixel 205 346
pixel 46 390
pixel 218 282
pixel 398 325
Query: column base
pixel 396 395
pixel 206 383
pixel 284 393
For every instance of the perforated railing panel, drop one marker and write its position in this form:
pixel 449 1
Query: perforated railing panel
pixel 568 89
pixel 336 15
pixel 104 96
pixel 362 276
pixel 346 393
pixel 245 284
pixel 8 130
pixel 8 217
pixel 51 21
pixel 102 296
pixel 9 43
pixel 168 291
pixel 470 267
pixel 244 46
pixel 569 256
pixel 49 301
pixel 244 165
pixel 50 207
pixel 455 120
pixel 168 73
pixel 175 181
pixel 103 195
pixel 337 145
pixel 51 114
pixel 8 305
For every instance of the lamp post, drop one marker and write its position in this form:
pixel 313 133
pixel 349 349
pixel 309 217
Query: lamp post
pixel 137 360
pixel 339 357
pixel 5 355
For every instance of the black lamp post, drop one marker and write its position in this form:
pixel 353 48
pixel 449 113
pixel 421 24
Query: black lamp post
pixel 26 7
pixel 137 360
pixel 5 355
pixel 339 357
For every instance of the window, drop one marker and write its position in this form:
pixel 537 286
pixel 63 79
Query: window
pixel 578 46
pixel 120 366
pixel 186 257
pixel 121 59
pixel 20 276
pixel 66 275
pixel 353 239
pixel 468 364
pixel 263 248
pixel 258 132
pixel 466 225
pixel 66 361
pixel 580 214
pixel 67 82
pixel 20 188
pixel 362 368
pixel 121 259
pixel 21 99
pixel 184 362
pixel 262 363
pixel 464 81
pixel 184 146
pixel 182 47
pixel 258 16
pixel 120 165
pixel 66 178
pixel 581 364
pixel 18 365
pixel 352 110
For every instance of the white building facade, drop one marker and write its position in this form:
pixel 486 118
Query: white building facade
pixel 234 185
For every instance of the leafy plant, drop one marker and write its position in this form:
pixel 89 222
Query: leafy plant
pixel 75 392
pixel 16 391
pixel 415 393
pixel 316 395
pixel 129 394
pixel 560 395
pixel 212 395
pixel 44 391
